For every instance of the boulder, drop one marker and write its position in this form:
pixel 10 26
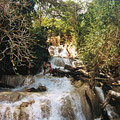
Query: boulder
pixel 39 89
pixel 13 80
pixel 68 67
pixel 28 80
pixel 67 110
pixel 89 100
pixel 12 96
pixel 17 112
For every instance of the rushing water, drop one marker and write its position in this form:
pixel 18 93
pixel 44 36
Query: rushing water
pixel 59 102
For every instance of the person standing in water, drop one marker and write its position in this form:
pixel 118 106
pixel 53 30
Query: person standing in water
pixel 50 69
pixel 44 67
pixel 47 66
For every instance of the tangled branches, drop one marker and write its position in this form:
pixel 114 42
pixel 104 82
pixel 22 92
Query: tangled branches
pixel 15 39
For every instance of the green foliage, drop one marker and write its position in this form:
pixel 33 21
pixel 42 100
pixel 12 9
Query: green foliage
pixel 41 53
pixel 96 31
pixel 39 34
pixel 99 47
pixel 59 17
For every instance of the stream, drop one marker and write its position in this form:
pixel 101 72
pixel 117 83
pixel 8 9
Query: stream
pixel 61 101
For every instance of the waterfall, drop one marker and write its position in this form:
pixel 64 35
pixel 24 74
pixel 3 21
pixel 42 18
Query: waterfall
pixel 100 93
pixel 60 102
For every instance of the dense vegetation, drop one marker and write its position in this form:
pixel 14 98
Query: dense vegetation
pixel 20 44
pixel 94 30
pixel 101 29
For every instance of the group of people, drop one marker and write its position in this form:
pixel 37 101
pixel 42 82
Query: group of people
pixel 46 66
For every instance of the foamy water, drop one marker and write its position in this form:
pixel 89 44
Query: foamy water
pixel 60 97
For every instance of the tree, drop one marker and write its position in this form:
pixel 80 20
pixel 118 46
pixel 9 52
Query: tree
pixel 60 17
pixel 15 38
pixel 99 47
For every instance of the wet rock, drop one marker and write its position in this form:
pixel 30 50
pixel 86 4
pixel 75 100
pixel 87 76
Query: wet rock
pixel 7 114
pixel 23 115
pixel 19 111
pixel 59 73
pixel 66 110
pixel 76 73
pixel 13 80
pixel 28 80
pixel 39 76
pixel 45 109
pixel 39 89
pixel 68 67
pixel 25 104
pixel 89 101
pixel 11 96
pixel 59 62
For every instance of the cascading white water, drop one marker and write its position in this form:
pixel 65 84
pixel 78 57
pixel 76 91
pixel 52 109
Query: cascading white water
pixel 59 51
pixel 100 93
pixel 59 102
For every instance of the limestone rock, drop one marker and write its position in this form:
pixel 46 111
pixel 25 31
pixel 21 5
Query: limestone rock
pixel 89 101
pixel 29 80
pixel 12 80
pixel 11 96
pixel 67 110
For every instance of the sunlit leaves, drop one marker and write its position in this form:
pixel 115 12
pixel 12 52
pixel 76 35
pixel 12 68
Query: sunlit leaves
pixel 101 27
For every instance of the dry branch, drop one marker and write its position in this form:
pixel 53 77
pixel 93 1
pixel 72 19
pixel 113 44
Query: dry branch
pixel 111 94
pixel 15 39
